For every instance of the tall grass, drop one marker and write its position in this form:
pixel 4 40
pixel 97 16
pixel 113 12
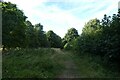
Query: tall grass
pixel 30 63
pixel 91 67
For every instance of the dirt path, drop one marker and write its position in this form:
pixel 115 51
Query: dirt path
pixel 71 70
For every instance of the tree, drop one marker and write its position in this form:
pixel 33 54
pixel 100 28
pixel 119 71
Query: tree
pixel 69 38
pixel 40 36
pixel 54 40
pixel 13 26
pixel 29 34
pixel 17 32
pixel 71 34
pixel 101 38
pixel 112 39
pixel 89 39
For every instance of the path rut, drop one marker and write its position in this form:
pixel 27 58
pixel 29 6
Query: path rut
pixel 71 70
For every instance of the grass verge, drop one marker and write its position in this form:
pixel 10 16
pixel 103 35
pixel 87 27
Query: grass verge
pixel 30 63
pixel 91 67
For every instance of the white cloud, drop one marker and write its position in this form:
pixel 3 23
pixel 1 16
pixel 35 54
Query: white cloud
pixel 71 0
pixel 107 11
pixel 54 19
pixel 58 19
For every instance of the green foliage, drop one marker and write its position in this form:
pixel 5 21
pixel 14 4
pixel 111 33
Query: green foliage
pixel 40 36
pixel 13 30
pixel 17 32
pixel 67 46
pixel 112 39
pixel 91 66
pixel 54 40
pixel 102 39
pixel 30 63
pixel 71 34
pixel 29 34
pixel 99 37
pixel 89 37
pixel 70 37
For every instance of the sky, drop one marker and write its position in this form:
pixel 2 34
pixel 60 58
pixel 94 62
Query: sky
pixel 61 15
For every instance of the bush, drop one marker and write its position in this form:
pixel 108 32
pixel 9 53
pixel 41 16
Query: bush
pixel 67 46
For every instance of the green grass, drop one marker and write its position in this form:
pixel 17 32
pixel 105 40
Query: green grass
pixel 91 67
pixel 30 63
pixel 49 63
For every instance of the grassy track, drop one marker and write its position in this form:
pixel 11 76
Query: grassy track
pixel 90 67
pixel 30 63
pixel 70 69
pixel 51 63
pixel 83 66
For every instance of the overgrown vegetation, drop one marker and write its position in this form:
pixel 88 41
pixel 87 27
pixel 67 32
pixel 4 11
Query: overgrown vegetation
pixel 54 40
pixel 99 38
pixel 30 63
pixel 92 67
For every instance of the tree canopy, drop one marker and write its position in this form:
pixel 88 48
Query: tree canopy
pixel 13 29
pixel 19 32
pixel 101 38
pixel 70 36
pixel 54 39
